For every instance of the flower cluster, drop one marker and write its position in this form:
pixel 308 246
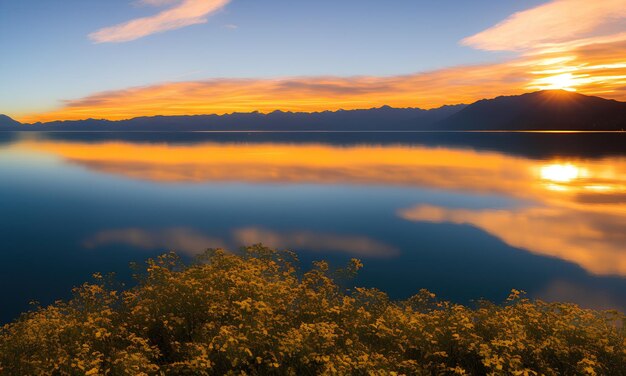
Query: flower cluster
pixel 256 313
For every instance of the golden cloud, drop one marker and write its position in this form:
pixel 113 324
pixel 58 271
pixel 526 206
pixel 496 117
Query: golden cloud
pixel 305 94
pixel 597 69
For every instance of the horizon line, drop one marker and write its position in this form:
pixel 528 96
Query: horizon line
pixel 568 92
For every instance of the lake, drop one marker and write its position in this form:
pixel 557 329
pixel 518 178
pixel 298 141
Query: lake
pixel 465 215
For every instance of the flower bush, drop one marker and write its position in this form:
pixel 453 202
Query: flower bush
pixel 257 314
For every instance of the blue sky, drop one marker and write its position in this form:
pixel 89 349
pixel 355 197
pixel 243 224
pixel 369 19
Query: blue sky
pixel 47 55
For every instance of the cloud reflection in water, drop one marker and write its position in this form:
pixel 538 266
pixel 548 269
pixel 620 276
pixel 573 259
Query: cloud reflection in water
pixel 193 242
pixel 575 209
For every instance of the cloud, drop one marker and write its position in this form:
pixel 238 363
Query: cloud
pixel 192 242
pixel 178 239
pixel 593 68
pixel 595 241
pixel 188 12
pixel 557 21
pixel 220 96
pixel 355 245
pixel 577 45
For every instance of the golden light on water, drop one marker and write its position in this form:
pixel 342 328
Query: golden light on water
pixel 560 173
pixel 599 188
pixel 576 210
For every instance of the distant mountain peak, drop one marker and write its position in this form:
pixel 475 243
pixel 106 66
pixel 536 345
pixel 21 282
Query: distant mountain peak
pixel 540 110
pixel 6 121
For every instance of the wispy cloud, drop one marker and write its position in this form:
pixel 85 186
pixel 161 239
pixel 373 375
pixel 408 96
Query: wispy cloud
pixel 192 242
pixel 557 21
pixel 188 12
pixel 181 239
pixel 356 245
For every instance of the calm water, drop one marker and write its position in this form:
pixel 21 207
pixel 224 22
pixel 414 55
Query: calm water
pixel 463 215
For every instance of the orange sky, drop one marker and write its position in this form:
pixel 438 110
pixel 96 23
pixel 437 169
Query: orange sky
pixel 597 69
pixel 563 44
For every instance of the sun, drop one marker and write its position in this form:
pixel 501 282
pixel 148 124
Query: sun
pixel 564 81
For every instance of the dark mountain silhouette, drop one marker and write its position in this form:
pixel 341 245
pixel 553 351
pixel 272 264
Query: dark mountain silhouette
pixel 541 110
pixel 383 118
pixel 7 122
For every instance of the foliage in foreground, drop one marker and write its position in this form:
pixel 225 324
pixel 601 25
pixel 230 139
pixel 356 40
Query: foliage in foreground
pixel 254 314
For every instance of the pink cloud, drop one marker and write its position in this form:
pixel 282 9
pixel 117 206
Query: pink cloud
pixel 188 12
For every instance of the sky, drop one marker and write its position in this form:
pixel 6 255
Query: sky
pixel 118 59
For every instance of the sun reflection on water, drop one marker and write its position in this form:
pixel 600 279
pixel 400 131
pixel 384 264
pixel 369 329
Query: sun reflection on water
pixel 561 173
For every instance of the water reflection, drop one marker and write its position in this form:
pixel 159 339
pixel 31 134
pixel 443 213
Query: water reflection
pixel 181 240
pixel 575 210
pixel 191 242
pixel 592 240
pixel 584 182
pixel 355 245
pixel 561 173
pixel 464 221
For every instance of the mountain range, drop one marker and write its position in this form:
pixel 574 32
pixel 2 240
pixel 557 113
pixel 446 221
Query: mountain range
pixel 541 110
